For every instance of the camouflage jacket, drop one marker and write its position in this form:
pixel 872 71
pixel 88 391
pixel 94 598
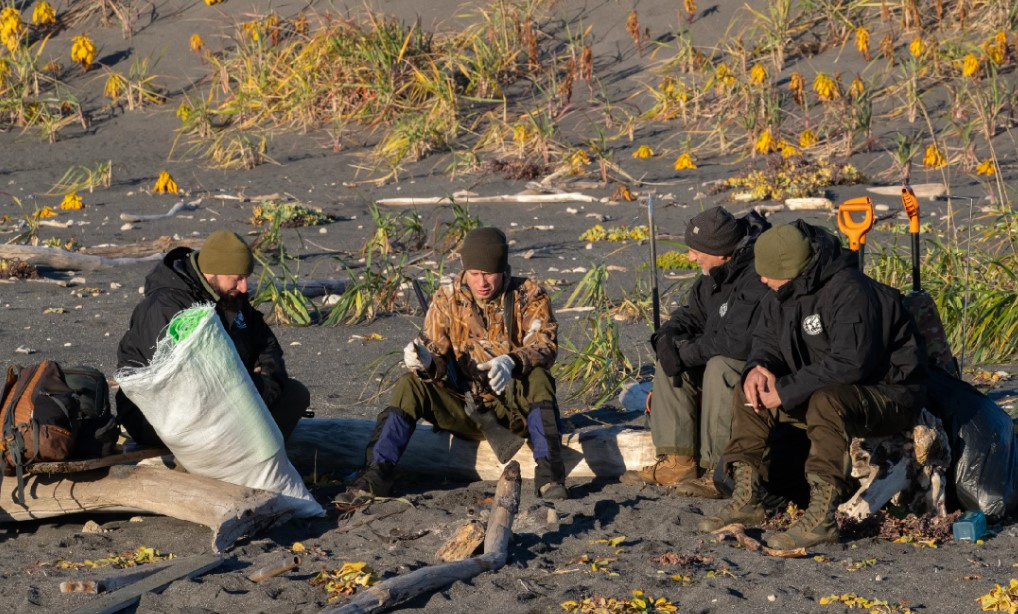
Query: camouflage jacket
pixel 459 329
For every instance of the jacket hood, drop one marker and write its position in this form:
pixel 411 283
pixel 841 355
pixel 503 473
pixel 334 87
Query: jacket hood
pixel 755 224
pixel 175 272
pixel 828 257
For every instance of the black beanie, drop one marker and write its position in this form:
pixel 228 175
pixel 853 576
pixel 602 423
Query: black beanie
pixel 485 249
pixel 715 232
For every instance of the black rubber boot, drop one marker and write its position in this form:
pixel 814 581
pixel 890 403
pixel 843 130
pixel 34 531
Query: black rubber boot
pixel 389 440
pixel 546 440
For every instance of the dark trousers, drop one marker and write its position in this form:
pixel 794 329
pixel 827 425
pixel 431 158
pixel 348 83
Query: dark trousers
pixel 286 410
pixel 832 417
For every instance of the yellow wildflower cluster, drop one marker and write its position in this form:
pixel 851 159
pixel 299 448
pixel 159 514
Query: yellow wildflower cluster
pixel 344 581
pixel 808 138
pixel 184 111
pixel 826 88
pixel 211 2
pixel 765 142
pixel 1000 599
pixel 852 601
pixel 45 212
pixel 786 149
pixel 996 48
pixel 794 178
pixel 11 28
pixel 115 86
pixel 83 51
pixel 610 605
pixel 690 6
pixel 72 202
pixel 577 161
pixel 685 162
pixel 43 15
pixel 797 87
pixel 643 152
pixel 672 259
pixel 986 167
pixel 197 44
pixel 141 556
pixel 856 89
pixel 917 47
pixel 615 233
pixel 723 77
pixel 932 158
pixel 862 42
pixel 289 215
pixel 673 90
pixel 165 184
pixel 758 74
pixel 970 65
pixel 522 134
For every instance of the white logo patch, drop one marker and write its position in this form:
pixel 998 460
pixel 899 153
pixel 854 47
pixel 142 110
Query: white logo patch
pixel 811 325
pixel 723 309
pixel 696 230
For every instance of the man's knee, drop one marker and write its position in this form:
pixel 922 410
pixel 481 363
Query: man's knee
pixel 539 385
pixel 289 407
pixel 828 404
pixel 408 394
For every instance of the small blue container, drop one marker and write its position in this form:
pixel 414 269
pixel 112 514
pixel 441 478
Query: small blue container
pixel 970 526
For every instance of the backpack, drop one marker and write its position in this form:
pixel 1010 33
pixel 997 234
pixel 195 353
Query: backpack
pixel 98 430
pixel 39 418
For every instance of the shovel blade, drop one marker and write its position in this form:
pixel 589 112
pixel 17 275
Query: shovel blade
pixel 503 442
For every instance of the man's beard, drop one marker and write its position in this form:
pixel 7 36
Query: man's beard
pixel 229 301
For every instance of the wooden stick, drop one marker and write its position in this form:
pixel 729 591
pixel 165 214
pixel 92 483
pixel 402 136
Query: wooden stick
pixel 96 463
pixel 190 567
pixel 394 591
pixel 174 210
pixel 271 571
pixel 564 197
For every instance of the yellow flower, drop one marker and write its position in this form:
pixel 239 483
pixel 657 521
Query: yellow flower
pixel 83 51
pixel 787 149
pixel 797 86
pixel 933 158
pixel 11 28
pixel 578 159
pixel 808 138
pixel 986 167
pixel 765 142
pixel 995 51
pixel 970 65
pixel 758 74
pixel 862 42
pixel 165 184
pixel 44 213
pixel 184 111
pixel 43 14
pixel 685 162
pixel 521 134
pixel 917 47
pixel 643 152
pixel 690 6
pixel 723 75
pixel 211 2
pixel 115 86
pixel 825 87
pixel 71 202
pixel 857 88
pixel 197 44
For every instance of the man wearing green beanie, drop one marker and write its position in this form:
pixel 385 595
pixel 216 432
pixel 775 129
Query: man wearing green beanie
pixel 215 274
pixel 700 352
pixel 833 351
pixel 490 335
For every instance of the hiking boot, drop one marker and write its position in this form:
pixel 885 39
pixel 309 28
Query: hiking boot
pixel 554 491
pixel 702 487
pixel 817 525
pixel 374 481
pixel 669 470
pixel 744 507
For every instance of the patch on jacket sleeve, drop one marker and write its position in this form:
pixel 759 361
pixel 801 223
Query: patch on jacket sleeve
pixel 811 325
pixel 239 322
pixel 723 309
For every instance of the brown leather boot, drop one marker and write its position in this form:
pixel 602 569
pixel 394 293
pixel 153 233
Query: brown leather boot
pixel 817 525
pixel 669 470
pixel 702 487
pixel 744 507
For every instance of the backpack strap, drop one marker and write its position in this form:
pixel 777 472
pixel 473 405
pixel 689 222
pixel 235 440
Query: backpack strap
pixel 508 307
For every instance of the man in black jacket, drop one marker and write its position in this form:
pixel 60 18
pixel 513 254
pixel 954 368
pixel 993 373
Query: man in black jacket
pixel 834 351
pixel 701 351
pixel 216 274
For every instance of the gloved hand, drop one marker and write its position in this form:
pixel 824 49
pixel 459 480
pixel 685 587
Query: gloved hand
pixel 416 357
pixel 668 354
pixel 500 371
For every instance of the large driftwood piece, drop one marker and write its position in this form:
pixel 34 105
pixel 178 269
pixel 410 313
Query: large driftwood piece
pixel 155 247
pixel 63 260
pixel 337 446
pixel 174 210
pixel 392 592
pixel 116 601
pixel 563 197
pixel 230 511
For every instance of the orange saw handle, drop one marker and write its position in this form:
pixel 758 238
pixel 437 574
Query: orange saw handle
pixel 854 229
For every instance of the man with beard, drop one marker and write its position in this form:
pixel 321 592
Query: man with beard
pixel 700 352
pixel 216 274
pixel 491 335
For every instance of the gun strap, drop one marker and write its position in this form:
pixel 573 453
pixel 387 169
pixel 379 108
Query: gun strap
pixel 508 307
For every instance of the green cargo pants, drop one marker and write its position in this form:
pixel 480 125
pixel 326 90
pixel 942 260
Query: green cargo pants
pixel 443 407
pixel 695 417
pixel 832 417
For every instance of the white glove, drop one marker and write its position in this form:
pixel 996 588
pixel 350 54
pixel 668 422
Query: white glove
pixel 416 357
pixel 500 371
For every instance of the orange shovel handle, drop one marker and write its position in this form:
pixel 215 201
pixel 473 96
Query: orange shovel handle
pixel 853 229
pixel 911 208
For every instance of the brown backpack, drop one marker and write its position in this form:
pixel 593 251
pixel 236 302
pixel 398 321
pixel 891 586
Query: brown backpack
pixel 39 414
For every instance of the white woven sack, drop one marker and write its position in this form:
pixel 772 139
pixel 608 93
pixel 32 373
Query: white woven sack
pixel 199 398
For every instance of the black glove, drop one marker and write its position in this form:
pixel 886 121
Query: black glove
pixel 268 388
pixel 667 352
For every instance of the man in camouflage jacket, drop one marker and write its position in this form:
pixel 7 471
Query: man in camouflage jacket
pixel 465 348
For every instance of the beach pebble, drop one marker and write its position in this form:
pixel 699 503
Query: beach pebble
pixel 93 527
pixel 136 519
pixel 772 598
pixel 115 286
pixel 127 226
pixel 881 207
pixel 323 231
pixel 24 349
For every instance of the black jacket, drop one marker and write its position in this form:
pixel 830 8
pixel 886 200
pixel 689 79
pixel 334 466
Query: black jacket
pixel 721 308
pixel 833 325
pixel 172 286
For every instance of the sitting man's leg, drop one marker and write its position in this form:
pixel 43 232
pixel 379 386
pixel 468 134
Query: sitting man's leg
pixel 674 425
pixel 834 416
pixel 289 406
pixel 534 397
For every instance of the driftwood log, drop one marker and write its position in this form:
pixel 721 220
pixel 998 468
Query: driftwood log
pixel 174 210
pixel 63 260
pixel 337 446
pixel 908 469
pixel 394 591
pixel 561 197
pixel 230 511
pixel 143 249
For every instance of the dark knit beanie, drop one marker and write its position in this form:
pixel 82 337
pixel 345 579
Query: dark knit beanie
pixel 715 232
pixel 781 252
pixel 485 249
pixel 225 253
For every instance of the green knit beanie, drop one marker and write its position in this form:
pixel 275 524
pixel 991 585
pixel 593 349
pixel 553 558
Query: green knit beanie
pixel 485 249
pixel 781 252
pixel 225 253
